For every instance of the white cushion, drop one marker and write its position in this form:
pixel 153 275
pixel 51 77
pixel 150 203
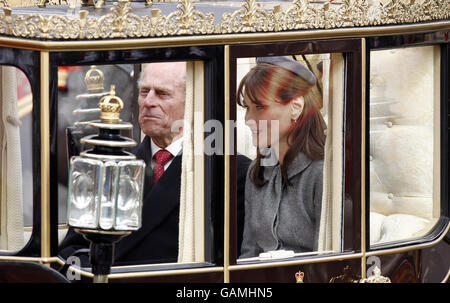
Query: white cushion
pixel 388 204
pixel 402 160
pixel 376 220
pixel 395 227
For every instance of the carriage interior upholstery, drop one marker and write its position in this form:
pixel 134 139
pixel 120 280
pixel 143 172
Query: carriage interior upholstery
pixel 404 143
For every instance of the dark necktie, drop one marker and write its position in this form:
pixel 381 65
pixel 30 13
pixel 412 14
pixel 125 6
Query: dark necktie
pixel 161 157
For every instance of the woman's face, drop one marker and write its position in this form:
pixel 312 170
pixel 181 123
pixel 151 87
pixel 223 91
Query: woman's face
pixel 269 121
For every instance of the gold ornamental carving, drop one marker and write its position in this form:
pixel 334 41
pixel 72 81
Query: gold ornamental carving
pixel 43 27
pixel 346 277
pixel 122 22
pixel 251 18
pixel 376 277
pixel 301 15
pixel 187 20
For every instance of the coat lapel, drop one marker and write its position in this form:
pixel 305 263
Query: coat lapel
pixel 299 164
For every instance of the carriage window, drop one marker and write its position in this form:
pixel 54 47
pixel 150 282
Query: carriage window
pixel 16 137
pixel 404 142
pixel 80 88
pixel 290 111
pixel 164 102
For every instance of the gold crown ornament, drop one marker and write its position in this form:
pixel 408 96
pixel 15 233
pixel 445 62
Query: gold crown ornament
pixel 110 106
pixel 94 79
pixel 299 275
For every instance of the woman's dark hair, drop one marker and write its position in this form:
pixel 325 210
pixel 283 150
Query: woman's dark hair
pixel 307 134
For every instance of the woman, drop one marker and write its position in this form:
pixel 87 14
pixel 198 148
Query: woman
pixel 283 192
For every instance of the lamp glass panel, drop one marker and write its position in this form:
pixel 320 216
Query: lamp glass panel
pixel 130 183
pixel 83 192
pixel 108 195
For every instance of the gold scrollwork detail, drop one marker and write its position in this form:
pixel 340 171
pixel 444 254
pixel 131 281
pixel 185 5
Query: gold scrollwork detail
pixel 43 27
pixel 250 18
pixel 121 22
pixel 301 15
pixel 376 277
pixel 5 21
pixel 187 20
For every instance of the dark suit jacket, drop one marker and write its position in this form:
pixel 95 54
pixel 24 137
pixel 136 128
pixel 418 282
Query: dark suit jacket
pixel 157 239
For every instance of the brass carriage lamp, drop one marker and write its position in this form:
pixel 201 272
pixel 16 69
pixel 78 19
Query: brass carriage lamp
pixel 105 187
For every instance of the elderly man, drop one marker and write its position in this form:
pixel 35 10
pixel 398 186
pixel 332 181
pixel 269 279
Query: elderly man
pixel 161 105
pixel 161 102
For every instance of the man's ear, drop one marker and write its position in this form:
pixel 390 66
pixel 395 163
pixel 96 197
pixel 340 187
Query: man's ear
pixel 297 107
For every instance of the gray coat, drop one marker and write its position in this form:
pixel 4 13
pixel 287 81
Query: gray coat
pixel 278 216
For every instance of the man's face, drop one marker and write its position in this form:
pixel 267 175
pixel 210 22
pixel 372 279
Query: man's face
pixel 161 100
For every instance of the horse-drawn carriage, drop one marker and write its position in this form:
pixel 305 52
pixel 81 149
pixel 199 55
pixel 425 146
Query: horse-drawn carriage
pixel 383 78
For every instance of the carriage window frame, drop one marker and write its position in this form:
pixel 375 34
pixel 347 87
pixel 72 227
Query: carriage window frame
pixel 211 65
pixel 410 41
pixel 352 51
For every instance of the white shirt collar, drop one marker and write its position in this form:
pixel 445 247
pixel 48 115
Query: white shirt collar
pixel 174 148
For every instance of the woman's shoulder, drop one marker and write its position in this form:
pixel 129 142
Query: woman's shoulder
pixel 311 175
pixel 315 169
pixel 317 165
pixel 302 164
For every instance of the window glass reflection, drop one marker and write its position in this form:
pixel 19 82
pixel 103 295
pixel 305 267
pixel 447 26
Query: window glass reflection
pixel 404 142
